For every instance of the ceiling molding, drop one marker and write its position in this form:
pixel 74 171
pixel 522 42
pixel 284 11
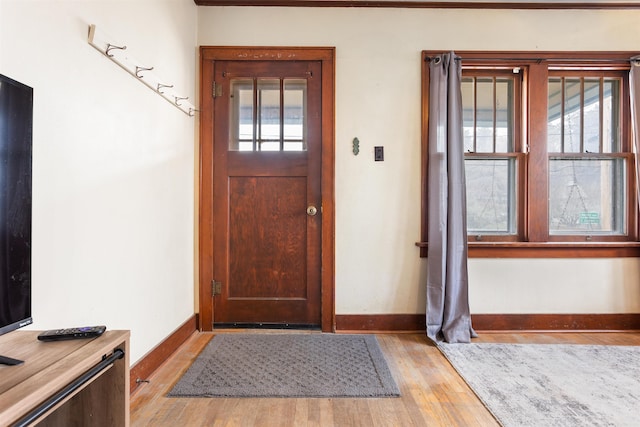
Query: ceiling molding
pixel 418 4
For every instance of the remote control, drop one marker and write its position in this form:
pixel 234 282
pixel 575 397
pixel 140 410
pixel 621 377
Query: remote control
pixel 72 333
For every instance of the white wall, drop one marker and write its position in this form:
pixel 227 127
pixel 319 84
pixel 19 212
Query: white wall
pixel 378 269
pixel 113 168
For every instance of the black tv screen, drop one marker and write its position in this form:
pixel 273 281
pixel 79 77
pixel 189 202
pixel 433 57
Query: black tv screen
pixel 16 124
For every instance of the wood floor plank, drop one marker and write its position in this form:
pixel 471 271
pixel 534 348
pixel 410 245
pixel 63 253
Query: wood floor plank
pixel 433 394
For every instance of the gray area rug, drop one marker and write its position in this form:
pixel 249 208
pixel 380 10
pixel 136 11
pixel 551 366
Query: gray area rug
pixel 288 365
pixel 552 385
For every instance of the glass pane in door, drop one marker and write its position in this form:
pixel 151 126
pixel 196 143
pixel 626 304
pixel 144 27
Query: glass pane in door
pixel 269 115
pixel 295 101
pixel 241 129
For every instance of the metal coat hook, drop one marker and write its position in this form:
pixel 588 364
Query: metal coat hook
pixel 110 47
pixel 139 69
pixel 179 98
pixel 160 86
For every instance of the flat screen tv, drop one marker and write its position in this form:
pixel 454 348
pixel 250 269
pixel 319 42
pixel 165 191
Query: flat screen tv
pixel 16 126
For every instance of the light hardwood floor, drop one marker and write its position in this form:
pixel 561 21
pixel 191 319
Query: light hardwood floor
pixel 432 392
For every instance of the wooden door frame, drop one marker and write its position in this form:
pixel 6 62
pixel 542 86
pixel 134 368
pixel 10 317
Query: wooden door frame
pixel 206 227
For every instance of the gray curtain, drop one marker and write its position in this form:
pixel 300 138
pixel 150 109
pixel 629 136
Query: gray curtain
pixel 634 87
pixel 448 317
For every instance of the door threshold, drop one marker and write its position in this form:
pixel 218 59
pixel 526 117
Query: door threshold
pixel 242 325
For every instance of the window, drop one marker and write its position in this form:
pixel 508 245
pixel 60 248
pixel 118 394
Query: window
pixel 588 170
pixel 268 115
pixel 550 170
pixel 494 158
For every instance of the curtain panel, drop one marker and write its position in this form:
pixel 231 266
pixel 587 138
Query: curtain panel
pixel 448 317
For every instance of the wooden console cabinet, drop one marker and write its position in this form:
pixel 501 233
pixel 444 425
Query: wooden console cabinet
pixel 100 399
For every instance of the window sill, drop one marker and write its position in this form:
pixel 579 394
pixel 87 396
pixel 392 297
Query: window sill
pixel 547 250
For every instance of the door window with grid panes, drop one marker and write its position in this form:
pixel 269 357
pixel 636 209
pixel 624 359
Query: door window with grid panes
pixel 268 115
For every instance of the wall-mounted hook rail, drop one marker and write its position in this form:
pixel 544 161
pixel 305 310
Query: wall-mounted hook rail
pixel 117 54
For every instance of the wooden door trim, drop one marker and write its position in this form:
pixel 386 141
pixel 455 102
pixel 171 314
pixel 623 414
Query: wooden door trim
pixel 210 54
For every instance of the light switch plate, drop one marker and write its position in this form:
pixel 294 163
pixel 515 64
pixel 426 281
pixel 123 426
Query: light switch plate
pixel 378 154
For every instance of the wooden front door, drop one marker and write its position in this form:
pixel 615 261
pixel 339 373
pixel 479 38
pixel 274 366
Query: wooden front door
pixel 266 193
